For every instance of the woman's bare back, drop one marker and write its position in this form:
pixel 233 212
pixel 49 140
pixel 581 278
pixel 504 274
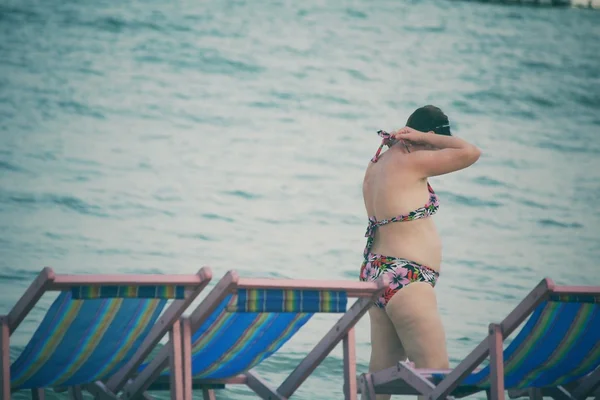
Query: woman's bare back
pixel 390 190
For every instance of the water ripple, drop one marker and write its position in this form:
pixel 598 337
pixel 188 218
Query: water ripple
pixel 69 202
pixel 470 201
pixel 10 167
pixel 217 217
pixel 558 224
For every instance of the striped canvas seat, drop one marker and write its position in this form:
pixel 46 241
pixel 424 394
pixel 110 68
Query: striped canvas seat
pixel 244 322
pixel 93 327
pixel 240 334
pixel 558 346
pixel 80 341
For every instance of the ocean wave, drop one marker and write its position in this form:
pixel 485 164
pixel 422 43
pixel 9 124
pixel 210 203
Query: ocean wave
pixel 5 165
pixel 470 201
pixel 487 181
pixel 17 274
pixel 242 194
pixel 17 14
pixel 70 203
pixel 559 224
pixel 212 216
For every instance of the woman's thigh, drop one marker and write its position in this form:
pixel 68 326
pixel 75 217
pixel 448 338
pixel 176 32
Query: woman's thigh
pixel 386 348
pixel 414 314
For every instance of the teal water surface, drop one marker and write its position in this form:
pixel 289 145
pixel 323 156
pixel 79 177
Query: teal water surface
pixel 158 137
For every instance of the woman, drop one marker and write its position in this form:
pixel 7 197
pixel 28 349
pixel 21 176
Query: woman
pixel 402 241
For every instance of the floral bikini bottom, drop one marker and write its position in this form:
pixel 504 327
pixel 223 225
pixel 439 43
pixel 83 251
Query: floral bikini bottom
pixel 400 272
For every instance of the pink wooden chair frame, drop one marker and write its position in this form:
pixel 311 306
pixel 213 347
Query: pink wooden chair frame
pixel 177 352
pixel 48 281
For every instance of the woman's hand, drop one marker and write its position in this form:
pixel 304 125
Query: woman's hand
pixel 412 136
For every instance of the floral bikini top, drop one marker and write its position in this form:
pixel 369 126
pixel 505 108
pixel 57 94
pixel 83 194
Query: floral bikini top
pixel 427 210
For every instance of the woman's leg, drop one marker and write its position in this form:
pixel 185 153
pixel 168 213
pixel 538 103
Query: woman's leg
pixel 386 348
pixel 414 314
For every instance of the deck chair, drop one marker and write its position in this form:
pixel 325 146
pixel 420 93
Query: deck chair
pixel 556 353
pixel 96 325
pixel 242 322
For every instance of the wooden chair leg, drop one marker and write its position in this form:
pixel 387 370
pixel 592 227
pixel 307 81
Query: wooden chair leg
pixel 4 358
pixel 38 394
pixel 75 393
pixel 208 394
pixel 176 365
pixel 367 389
pixel 349 345
pixel 496 362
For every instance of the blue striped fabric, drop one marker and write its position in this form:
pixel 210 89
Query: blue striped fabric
pixel 559 343
pixel 576 298
pixel 80 341
pixel 122 291
pixel 277 300
pixel 230 343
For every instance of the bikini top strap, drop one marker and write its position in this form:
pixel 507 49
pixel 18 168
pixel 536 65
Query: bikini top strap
pixel 373 224
pixel 385 141
pixel 371 228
